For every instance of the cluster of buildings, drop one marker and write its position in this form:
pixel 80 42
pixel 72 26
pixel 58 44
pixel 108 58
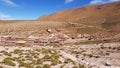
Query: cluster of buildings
pixel 52 38
pixel 55 36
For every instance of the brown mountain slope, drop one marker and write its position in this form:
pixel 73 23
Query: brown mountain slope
pixel 25 28
pixel 83 12
pixel 97 20
pixel 104 16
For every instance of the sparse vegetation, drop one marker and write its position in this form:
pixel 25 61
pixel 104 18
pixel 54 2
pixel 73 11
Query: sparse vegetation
pixel 17 51
pixel 6 53
pixel 46 66
pixel 91 42
pixel 39 61
pixel 82 66
pixel 107 53
pixel 38 67
pixel 55 61
pixel 8 61
pixel 75 67
pixel 48 57
pixel 68 61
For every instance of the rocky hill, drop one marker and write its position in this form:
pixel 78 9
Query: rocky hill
pixel 106 16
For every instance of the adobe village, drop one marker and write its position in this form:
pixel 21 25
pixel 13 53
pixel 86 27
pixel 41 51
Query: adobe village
pixel 85 37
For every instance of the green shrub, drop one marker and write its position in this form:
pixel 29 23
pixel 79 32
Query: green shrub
pixel 6 53
pixel 39 61
pixel 84 54
pixel 62 66
pixel 75 67
pixel 21 63
pixel 46 66
pixel 55 61
pixel 76 52
pixel 45 51
pixel 107 53
pixel 47 57
pixel 28 57
pixel 82 66
pixel 33 62
pixel 55 56
pixel 29 66
pixel 89 55
pixel 97 56
pixel 8 61
pixel 68 61
pixel 38 50
pixel 38 67
pixel 17 51
pixel 14 58
pixel 34 54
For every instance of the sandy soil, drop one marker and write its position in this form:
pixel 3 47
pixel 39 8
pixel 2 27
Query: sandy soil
pixel 104 55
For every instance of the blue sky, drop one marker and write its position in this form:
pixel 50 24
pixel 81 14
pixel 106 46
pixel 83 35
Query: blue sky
pixel 32 9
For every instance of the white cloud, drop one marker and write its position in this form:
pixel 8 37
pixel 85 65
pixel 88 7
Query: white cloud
pixel 96 1
pixel 113 0
pixel 10 3
pixel 102 1
pixel 68 1
pixel 5 17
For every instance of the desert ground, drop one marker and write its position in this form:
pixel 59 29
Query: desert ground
pixel 101 55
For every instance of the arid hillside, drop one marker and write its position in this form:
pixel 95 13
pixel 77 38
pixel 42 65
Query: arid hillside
pixel 105 16
pixel 25 28
pixel 95 20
